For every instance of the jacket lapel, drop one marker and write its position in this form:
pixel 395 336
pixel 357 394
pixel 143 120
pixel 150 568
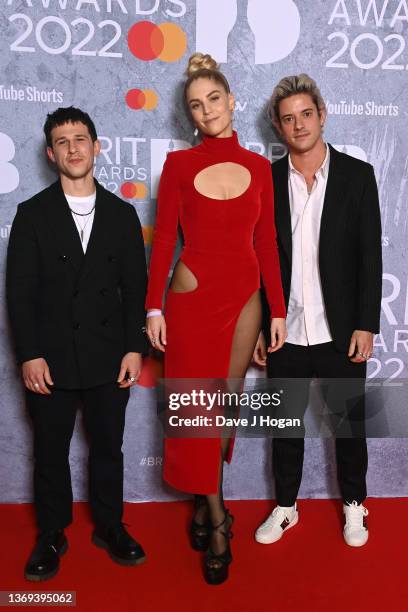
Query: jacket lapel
pixel 282 206
pixel 99 237
pixel 332 206
pixel 63 229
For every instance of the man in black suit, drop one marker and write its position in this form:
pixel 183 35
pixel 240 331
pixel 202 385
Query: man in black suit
pixel 329 235
pixel 76 281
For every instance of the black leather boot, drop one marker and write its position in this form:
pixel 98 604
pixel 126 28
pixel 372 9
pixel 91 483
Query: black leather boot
pixel 121 547
pixel 44 561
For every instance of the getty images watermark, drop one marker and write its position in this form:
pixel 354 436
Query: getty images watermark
pixel 285 408
pixel 228 402
pixel 223 408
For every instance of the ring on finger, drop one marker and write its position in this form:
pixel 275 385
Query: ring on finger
pixel 132 379
pixel 36 386
pixel 153 340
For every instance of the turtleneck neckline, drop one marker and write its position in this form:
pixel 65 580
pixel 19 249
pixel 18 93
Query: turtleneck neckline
pixel 212 144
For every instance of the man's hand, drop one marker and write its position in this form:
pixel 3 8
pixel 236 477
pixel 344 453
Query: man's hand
pixel 278 334
pixel 132 366
pixel 361 346
pixel 36 376
pixel 259 356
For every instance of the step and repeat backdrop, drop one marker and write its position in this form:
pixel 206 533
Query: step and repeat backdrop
pixel 123 61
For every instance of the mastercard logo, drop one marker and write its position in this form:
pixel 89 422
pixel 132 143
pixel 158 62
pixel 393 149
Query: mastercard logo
pixel 148 234
pixel 142 99
pixel 148 41
pixel 134 191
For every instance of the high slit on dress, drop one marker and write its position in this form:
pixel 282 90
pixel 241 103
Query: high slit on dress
pixel 228 245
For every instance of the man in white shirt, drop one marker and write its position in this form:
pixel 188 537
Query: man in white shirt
pixel 329 234
pixel 76 283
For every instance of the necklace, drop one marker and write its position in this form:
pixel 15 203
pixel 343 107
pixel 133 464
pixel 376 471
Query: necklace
pixel 82 214
pixel 82 228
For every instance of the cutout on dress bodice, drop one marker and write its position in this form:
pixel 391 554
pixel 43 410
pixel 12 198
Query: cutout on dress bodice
pixel 183 280
pixel 223 181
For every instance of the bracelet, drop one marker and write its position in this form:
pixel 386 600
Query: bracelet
pixel 154 313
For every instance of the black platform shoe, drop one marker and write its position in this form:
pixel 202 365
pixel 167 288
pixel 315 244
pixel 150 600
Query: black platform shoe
pixel 44 561
pixel 121 547
pixel 216 567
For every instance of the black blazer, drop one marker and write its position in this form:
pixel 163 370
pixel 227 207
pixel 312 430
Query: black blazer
pixel 350 259
pixel 81 313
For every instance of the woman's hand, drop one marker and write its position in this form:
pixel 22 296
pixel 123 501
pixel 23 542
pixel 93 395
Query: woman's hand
pixel 278 334
pixel 156 332
pixel 259 356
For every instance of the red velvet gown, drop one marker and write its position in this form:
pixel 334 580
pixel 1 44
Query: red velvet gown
pixel 228 244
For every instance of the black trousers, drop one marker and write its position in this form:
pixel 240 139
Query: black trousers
pixel 347 418
pixel 53 418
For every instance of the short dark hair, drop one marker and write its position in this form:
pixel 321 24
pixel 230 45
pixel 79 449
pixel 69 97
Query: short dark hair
pixel 69 114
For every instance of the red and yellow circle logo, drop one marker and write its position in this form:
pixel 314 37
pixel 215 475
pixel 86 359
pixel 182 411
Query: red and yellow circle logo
pixel 148 41
pixel 142 99
pixel 134 191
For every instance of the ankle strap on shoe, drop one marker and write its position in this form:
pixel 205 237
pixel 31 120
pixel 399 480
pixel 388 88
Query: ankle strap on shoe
pixel 228 534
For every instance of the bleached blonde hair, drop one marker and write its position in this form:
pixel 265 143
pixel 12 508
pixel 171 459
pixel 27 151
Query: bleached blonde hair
pixel 291 86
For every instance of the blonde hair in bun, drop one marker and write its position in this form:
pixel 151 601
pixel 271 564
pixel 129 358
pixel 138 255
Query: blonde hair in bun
pixel 203 66
pixel 200 61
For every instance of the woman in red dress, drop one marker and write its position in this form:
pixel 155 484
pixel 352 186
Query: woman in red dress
pixel 222 196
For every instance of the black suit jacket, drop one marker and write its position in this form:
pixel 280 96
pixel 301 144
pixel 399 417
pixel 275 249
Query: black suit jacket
pixel 350 260
pixel 81 313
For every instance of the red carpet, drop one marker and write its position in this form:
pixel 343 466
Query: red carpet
pixel 309 569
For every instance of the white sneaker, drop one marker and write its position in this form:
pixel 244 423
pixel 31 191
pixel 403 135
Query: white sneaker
pixel 276 524
pixel 355 528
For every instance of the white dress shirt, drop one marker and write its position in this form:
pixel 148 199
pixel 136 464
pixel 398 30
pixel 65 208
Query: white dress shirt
pixel 306 317
pixel 82 205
